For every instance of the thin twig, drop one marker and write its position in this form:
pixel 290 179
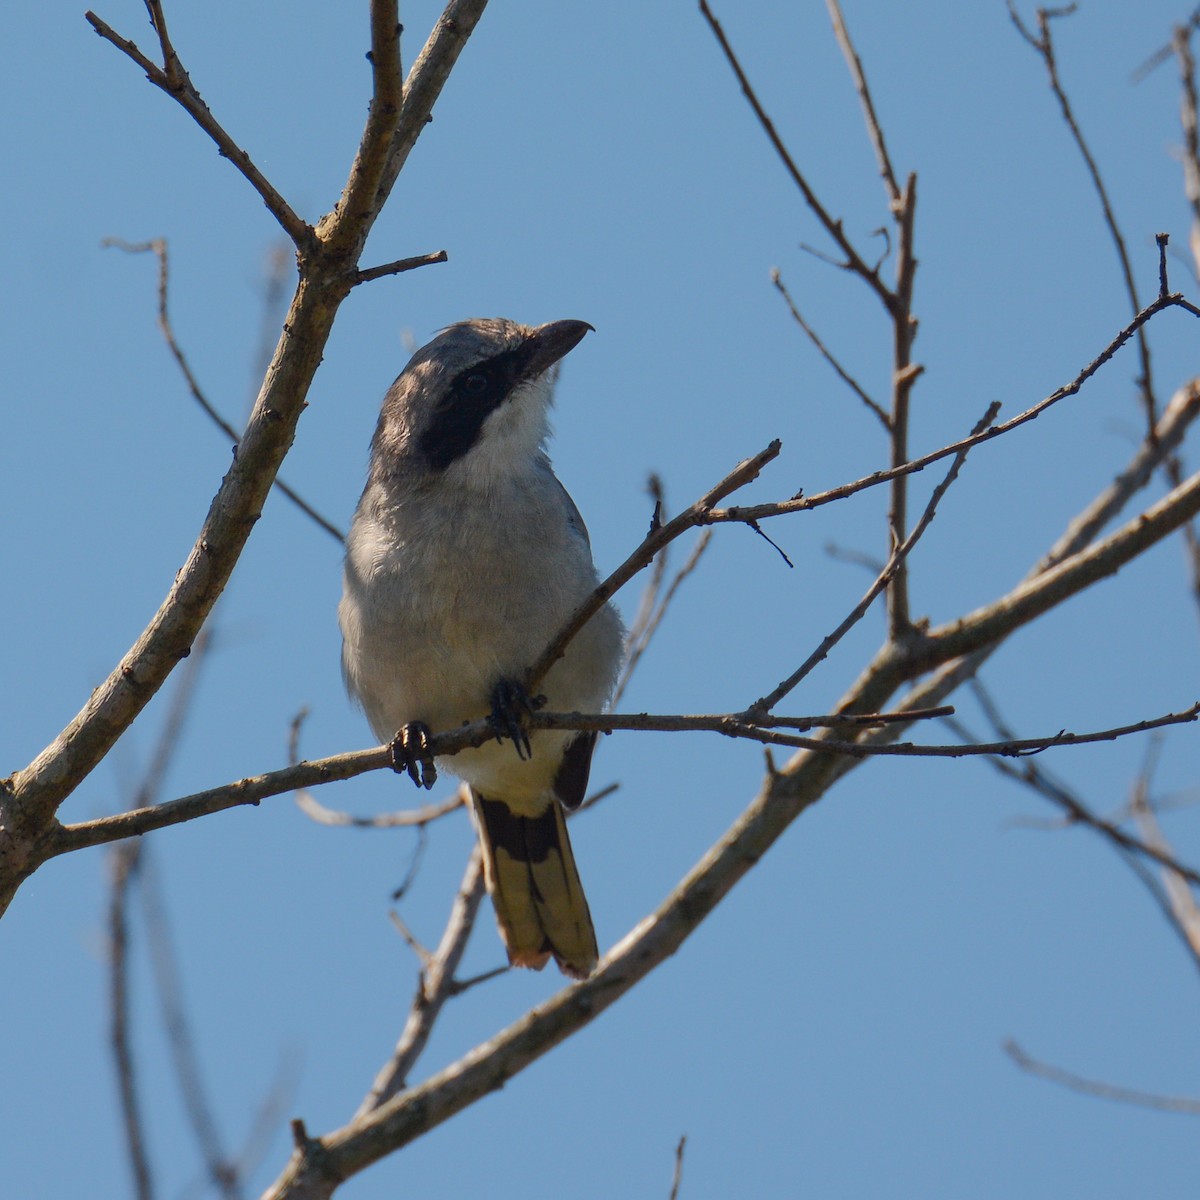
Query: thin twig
pixel 874 129
pixel 122 865
pixel 401 265
pixel 768 702
pixel 158 246
pixel 654 542
pixel 410 939
pixel 827 354
pixel 1080 533
pixel 435 986
pixel 643 632
pixel 1043 43
pixel 832 225
pixel 677 1175
pixel 1077 814
pixel 746 725
pixel 651 592
pixel 1103 1091
pixel 174 80
pixel 801 503
pixel 1163 53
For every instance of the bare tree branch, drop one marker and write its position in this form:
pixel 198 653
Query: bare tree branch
pixel 677 1176
pixel 801 503
pixel 158 247
pixel 1043 43
pixel 874 128
pixel 659 537
pixel 1103 1091
pixel 746 725
pixel 328 269
pixel 885 576
pixel 434 987
pixel 832 226
pixel 175 81
pixel 122 864
pixel 827 355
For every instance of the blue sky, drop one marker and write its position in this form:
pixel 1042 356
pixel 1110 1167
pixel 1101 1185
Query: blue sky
pixel 835 1028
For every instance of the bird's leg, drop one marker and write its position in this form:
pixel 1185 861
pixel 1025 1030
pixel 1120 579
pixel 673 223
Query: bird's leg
pixel 511 703
pixel 410 752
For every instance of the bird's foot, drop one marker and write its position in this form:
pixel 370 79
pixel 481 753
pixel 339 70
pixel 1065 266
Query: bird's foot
pixel 511 703
pixel 410 753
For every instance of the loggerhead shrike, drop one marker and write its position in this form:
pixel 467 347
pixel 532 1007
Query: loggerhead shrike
pixel 465 557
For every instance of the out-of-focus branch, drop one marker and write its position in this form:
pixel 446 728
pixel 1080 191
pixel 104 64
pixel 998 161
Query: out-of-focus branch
pixel 158 247
pixel 1181 906
pixel 122 863
pixel 642 632
pixel 410 818
pixel 1103 1091
pixel 677 1175
pixel 1182 45
pixel 219 1166
pixel 435 986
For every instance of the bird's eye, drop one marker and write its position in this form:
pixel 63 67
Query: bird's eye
pixel 476 383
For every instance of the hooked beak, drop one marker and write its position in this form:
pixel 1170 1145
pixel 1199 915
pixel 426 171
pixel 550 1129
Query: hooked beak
pixel 548 343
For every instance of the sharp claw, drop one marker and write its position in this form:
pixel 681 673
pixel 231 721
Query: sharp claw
pixel 509 702
pixel 410 754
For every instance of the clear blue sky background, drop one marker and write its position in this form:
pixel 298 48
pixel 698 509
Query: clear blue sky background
pixel 835 1029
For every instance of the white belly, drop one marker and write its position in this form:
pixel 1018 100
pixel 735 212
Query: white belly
pixel 442 601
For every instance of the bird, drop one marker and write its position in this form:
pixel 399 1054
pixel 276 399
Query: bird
pixel 466 555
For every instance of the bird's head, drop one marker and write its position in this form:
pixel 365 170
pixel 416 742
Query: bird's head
pixel 475 400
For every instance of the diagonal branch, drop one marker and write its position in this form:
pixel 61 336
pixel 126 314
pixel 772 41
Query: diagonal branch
pixel 1043 43
pixel 658 538
pixel 768 702
pixel 158 247
pixel 874 129
pixel 802 503
pixel 435 986
pixel 827 354
pixel 832 226
pixel 175 81
pixel 1104 1091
